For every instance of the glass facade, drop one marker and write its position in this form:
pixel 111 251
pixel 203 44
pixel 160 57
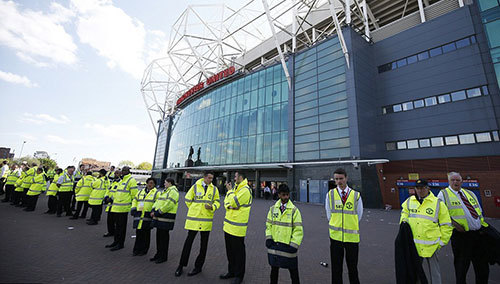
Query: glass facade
pixel 161 144
pixel 490 15
pixel 321 121
pixel 242 122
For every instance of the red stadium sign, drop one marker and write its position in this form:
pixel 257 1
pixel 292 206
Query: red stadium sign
pixel 217 77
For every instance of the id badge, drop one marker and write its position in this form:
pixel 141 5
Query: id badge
pixel 140 207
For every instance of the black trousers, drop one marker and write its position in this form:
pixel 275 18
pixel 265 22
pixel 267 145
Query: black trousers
pixel 110 220
pixel 2 183
pixel 337 258
pixel 186 250
pixel 96 213
pixel 142 240
pixel 64 201
pixel 9 192
pixel 24 199
pixel 294 274
pixel 79 206
pixel 162 241
pixel 121 227
pixel 52 204
pixel 18 195
pixel 73 197
pixel 235 251
pixel 31 201
pixel 467 248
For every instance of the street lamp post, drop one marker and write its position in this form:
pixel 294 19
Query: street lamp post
pixel 22 147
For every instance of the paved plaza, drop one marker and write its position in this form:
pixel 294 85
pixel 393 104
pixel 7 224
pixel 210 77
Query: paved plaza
pixel 40 248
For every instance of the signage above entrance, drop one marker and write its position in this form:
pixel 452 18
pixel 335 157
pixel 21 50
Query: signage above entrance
pixel 200 86
pixel 438 183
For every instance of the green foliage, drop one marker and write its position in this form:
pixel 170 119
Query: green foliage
pixel 126 163
pixel 145 166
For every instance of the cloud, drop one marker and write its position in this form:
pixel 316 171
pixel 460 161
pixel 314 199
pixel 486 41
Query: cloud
pixel 17 79
pixel 118 131
pixel 44 118
pixel 37 36
pixel 60 140
pixel 116 36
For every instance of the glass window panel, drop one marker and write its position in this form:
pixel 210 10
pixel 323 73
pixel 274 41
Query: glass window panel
pixel 276 144
pixel 234 104
pixel 390 146
pixel 463 42
pixel 268 119
pixel 253 97
pixel 449 47
pixel 401 145
pixel 304 83
pixel 407 106
pixel 435 51
pixel 244 150
pixel 284 91
pixel 333 64
pixel 240 103
pixel 458 96
pixel 306 121
pixel 331 82
pixel 247 84
pixel 306 90
pixel 492 29
pixel 304 156
pixel 261 97
pixel 335 153
pixel 412 59
pixel 335 143
pixel 240 84
pixel 437 141
pixel 276 94
pixel 333 134
pixel 495 136
pixel 451 140
pixel 397 108
pixel 331 73
pixel 306 75
pixel 384 68
pixel 424 143
pixel 269 76
pixel 276 117
pixel 237 125
pixel 336 124
pixel 284 146
pixel 483 137
pixel 487 4
pixel 430 101
pixel 471 93
pixel 284 116
pixel 444 99
pixel 307 105
pixel 306 130
pixel 473 39
pixel 306 138
pixel 332 98
pixel 244 124
pixel 236 150
pixel 229 157
pixel 306 98
pixel 267 148
pixel 269 95
pixel 312 146
pixel 401 62
pixel 333 107
pixel 262 78
pixel 333 115
pixel 255 81
pixel 251 149
pixel 467 139
pixel 419 103
pixel 412 144
pixel 259 148
pixel 394 65
pixel 277 73
pixel 252 122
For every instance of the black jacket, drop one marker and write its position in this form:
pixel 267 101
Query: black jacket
pixel 408 262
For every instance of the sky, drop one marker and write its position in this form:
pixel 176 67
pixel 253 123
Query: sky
pixel 70 75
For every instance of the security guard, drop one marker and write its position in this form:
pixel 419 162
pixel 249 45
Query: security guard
pixel 82 193
pixel 111 174
pixel 238 203
pixel 10 182
pixel 202 200
pixel 4 172
pixel 79 173
pixel 430 224
pixel 344 209
pixel 284 235
pixel 65 191
pixel 108 200
pixel 96 197
pixel 52 193
pixel 122 202
pixel 38 185
pixel 27 181
pixel 468 221
pixel 142 205
pixel 164 212
pixel 18 191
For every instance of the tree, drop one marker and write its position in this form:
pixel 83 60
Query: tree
pixel 126 163
pixel 145 166
pixel 48 162
pixel 28 159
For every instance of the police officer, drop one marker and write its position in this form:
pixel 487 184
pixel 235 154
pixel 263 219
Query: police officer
pixel 82 194
pixel 202 200
pixel 18 191
pixel 52 193
pixel 467 220
pixel 141 211
pixel 430 224
pixel 79 173
pixel 164 212
pixel 344 209
pixel 238 203
pixel 284 234
pixel 108 200
pixel 99 188
pixel 65 191
pixel 38 185
pixel 27 181
pixel 10 182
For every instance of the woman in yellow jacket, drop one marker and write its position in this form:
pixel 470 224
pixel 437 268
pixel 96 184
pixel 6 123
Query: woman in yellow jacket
pixel 142 204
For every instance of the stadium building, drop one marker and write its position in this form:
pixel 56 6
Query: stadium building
pixel 392 91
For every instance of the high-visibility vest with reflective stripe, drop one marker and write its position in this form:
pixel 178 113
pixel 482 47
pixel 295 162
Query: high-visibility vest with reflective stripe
pixel 84 188
pixel 344 222
pixel 142 205
pixel 28 179
pixel 52 191
pixel 6 173
pixel 125 192
pixel 198 217
pixel 284 227
pixel 238 203
pixel 456 210
pixel 51 174
pixel 19 182
pixel 37 185
pixel 12 178
pixel 67 183
pixel 166 207
pixel 430 223
pixel 98 192
pixel 78 175
pixel 109 193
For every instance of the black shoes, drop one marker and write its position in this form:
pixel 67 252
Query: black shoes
pixel 117 247
pixel 137 253
pixel 74 218
pixel 107 235
pixel 160 260
pixel 91 222
pixel 178 272
pixel 111 245
pixel 153 258
pixel 194 271
pixel 226 276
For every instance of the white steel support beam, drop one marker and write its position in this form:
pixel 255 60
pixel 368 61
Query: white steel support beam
pixel 294 27
pixel 282 58
pixel 347 10
pixel 365 20
pixel 421 10
pixel 339 30
pixel 461 3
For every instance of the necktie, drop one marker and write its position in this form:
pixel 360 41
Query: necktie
pixel 467 204
pixel 282 208
pixel 344 196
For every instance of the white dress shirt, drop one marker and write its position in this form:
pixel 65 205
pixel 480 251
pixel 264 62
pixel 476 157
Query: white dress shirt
pixel 4 169
pixel 347 190
pixel 474 224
